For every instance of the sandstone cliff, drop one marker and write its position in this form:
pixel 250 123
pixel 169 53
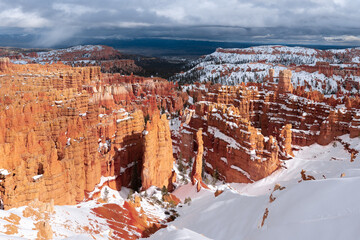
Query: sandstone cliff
pixel 158 158
pixel 63 128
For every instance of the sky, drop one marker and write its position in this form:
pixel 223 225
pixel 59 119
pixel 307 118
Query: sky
pixel 266 21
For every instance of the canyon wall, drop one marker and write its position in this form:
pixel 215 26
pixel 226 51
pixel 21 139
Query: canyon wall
pixel 247 130
pixel 65 130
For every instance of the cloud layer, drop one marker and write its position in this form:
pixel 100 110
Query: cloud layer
pixel 295 21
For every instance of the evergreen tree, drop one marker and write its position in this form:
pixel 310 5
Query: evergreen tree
pixel 135 178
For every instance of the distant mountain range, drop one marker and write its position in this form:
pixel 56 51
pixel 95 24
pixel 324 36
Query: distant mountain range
pixel 146 46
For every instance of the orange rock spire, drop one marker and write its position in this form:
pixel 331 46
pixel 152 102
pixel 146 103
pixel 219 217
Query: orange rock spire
pixel 197 167
pixel 158 157
pixel 285 85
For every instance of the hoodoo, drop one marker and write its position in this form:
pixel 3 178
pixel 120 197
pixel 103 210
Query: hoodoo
pixel 158 159
pixel 198 163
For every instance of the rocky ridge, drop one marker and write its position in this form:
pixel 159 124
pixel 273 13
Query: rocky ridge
pixel 331 72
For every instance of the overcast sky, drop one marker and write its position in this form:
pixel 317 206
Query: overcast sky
pixel 267 21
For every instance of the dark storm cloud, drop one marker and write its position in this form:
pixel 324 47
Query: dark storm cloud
pixel 295 21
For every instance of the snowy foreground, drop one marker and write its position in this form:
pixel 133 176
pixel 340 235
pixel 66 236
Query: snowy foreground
pixel 325 208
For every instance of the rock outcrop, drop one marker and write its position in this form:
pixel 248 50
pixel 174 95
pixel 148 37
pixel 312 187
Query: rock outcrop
pixel 235 149
pixel 285 140
pixel 285 85
pixel 198 163
pixel 158 158
pixel 63 128
pixel 4 64
pixel 247 130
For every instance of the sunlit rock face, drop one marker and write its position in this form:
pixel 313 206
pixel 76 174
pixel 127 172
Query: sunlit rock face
pixel 158 157
pixel 248 129
pixel 62 128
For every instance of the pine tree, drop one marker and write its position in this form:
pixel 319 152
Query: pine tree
pixel 135 178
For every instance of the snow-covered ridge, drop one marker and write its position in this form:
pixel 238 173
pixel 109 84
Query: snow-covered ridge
pixel 81 54
pixel 284 55
pixel 271 49
pixel 85 48
pixel 279 49
pixel 234 66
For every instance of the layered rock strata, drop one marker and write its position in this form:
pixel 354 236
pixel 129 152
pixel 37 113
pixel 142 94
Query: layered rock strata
pixel 249 128
pixel 158 155
pixel 64 130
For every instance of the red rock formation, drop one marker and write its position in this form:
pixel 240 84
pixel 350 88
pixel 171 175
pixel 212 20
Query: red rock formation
pixel 197 167
pixel 62 128
pixel 307 112
pixel 120 218
pixel 285 85
pixel 313 117
pixel 172 199
pixel 355 126
pixel 4 64
pixel 285 140
pixel 158 158
pixel 235 149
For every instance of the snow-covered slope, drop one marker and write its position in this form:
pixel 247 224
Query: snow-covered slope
pixel 324 208
pixel 86 220
pixel 86 54
pixel 233 66
pixel 82 53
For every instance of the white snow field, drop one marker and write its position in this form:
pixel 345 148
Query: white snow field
pixel 325 208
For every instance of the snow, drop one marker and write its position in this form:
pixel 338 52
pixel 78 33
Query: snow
pixel 324 208
pixel 4 172
pixel 99 185
pixel 37 177
pixel 122 170
pixel 124 119
pixel 55 55
pixel 67 222
pixel 224 160
pixel 21 62
pixel 191 100
pixel 175 124
pixel 79 221
pixel 241 170
pixel 252 65
pixel 218 134
pixel 68 219
pixel 172 232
